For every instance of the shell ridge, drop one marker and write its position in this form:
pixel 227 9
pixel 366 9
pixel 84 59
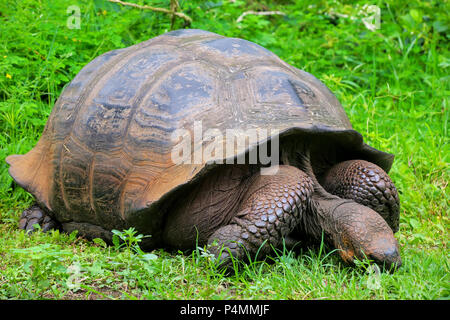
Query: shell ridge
pixel 91 183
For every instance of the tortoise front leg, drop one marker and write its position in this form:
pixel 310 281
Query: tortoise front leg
pixel 36 215
pixel 271 209
pixel 366 184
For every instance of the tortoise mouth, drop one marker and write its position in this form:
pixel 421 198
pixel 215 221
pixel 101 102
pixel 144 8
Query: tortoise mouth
pixel 384 252
pixel 358 232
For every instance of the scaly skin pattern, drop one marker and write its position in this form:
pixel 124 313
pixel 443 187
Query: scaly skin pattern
pixel 366 184
pixel 273 207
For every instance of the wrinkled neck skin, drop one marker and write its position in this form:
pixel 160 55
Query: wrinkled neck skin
pixel 315 221
pixel 355 230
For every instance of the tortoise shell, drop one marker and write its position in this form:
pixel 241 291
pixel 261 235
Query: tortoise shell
pixel 105 154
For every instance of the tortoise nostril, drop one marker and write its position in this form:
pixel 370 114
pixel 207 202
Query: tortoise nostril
pixel 387 257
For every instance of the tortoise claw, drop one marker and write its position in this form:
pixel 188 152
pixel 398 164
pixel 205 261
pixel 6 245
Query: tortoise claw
pixel 35 215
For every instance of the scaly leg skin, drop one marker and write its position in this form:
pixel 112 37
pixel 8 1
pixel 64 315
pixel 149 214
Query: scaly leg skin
pixel 35 215
pixel 271 209
pixel 366 184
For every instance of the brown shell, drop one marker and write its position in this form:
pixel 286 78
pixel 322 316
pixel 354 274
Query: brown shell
pixel 105 154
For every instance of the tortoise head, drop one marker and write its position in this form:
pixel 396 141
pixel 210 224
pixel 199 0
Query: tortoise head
pixel 358 232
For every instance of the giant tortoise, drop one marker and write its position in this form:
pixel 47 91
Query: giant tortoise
pixel 127 144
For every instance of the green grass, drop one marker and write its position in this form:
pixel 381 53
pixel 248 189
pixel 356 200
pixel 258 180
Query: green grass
pixel 393 84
